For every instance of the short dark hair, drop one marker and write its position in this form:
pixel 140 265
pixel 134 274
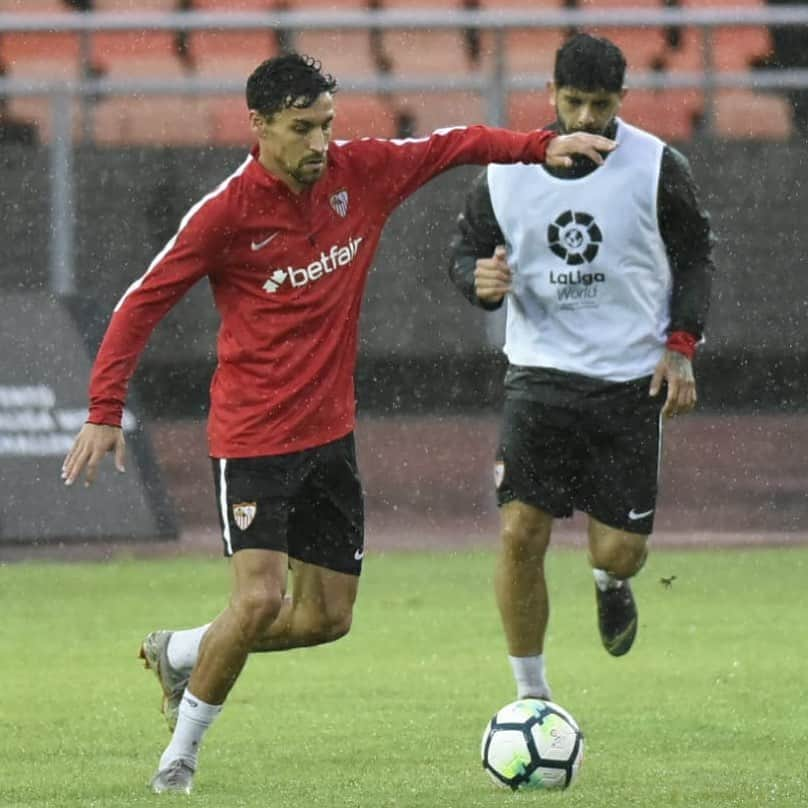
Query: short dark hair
pixel 590 63
pixel 291 80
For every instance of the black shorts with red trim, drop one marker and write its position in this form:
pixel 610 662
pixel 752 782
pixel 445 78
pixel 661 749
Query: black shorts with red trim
pixel 308 504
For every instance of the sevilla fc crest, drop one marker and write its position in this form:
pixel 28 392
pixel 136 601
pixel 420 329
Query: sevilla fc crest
pixel 339 202
pixel 244 513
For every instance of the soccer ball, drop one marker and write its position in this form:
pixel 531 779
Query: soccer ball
pixel 532 743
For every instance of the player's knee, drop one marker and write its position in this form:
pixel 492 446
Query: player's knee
pixel 257 610
pixel 328 625
pixel 621 556
pixel 525 538
pixel 338 625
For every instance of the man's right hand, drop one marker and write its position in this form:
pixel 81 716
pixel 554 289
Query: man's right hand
pixel 89 448
pixel 492 277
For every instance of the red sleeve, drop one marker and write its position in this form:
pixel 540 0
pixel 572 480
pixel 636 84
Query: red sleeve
pixel 190 255
pixel 406 165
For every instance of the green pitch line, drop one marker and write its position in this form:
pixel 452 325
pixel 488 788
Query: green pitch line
pixel 708 709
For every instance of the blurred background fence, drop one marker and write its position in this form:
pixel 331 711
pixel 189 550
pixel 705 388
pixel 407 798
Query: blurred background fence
pixel 116 116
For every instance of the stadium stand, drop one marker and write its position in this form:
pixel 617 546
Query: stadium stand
pixel 671 113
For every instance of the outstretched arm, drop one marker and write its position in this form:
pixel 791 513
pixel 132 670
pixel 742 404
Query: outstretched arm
pixel 405 165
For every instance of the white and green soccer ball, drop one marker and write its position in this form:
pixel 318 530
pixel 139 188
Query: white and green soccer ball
pixel 532 743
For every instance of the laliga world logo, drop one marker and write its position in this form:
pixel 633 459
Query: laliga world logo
pixel 338 256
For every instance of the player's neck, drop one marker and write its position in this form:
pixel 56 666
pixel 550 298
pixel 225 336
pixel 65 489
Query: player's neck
pixel 272 167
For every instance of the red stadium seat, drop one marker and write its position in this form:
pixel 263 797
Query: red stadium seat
pixel 59 61
pixel 529 110
pixel 587 5
pixel 443 109
pixel 747 114
pixel 135 5
pixel 22 51
pixel 152 120
pixel 363 115
pixel 38 110
pixel 432 53
pixel 229 122
pixel 668 114
pixel 136 53
pixel 640 46
pixel 34 6
pixel 326 5
pixel 230 53
pixel 688 56
pixel 357 116
pixel 520 5
pixel 735 47
pixel 233 5
pixel 527 51
pixel 342 53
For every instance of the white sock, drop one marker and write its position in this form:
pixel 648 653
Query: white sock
pixel 183 648
pixel 529 674
pixel 195 716
pixel 604 581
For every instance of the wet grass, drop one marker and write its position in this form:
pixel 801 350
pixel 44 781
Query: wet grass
pixel 709 709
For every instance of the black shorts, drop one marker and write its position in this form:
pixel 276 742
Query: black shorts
pixel 593 450
pixel 307 504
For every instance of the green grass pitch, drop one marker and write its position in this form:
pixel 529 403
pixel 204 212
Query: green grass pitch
pixel 709 709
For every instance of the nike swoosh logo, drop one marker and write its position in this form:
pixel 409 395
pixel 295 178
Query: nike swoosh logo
pixel 359 554
pixel 632 514
pixel 259 245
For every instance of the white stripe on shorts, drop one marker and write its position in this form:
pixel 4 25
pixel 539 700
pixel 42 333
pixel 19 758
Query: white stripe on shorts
pixel 659 448
pixel 223 505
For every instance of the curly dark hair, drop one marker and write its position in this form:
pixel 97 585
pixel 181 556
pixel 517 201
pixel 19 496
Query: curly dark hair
pixel 291 80
pixel 590 63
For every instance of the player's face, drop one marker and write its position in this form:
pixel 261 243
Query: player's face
pixel 293 143
pixel 585 111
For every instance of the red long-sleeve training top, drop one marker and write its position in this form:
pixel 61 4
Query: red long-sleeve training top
pixel 288 273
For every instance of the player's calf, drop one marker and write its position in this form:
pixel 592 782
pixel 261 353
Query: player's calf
pixel 154 653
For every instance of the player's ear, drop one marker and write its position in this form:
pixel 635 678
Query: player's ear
pixel 257 123
pixel 551 91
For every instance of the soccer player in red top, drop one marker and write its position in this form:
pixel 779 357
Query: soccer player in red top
pixel 286 243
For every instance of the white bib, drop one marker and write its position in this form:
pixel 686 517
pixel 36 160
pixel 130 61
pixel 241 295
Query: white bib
pixel 591 278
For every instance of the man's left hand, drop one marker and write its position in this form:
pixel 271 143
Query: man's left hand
pixel 676 370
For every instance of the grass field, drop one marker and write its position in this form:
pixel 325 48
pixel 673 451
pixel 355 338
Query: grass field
pixel 709 709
